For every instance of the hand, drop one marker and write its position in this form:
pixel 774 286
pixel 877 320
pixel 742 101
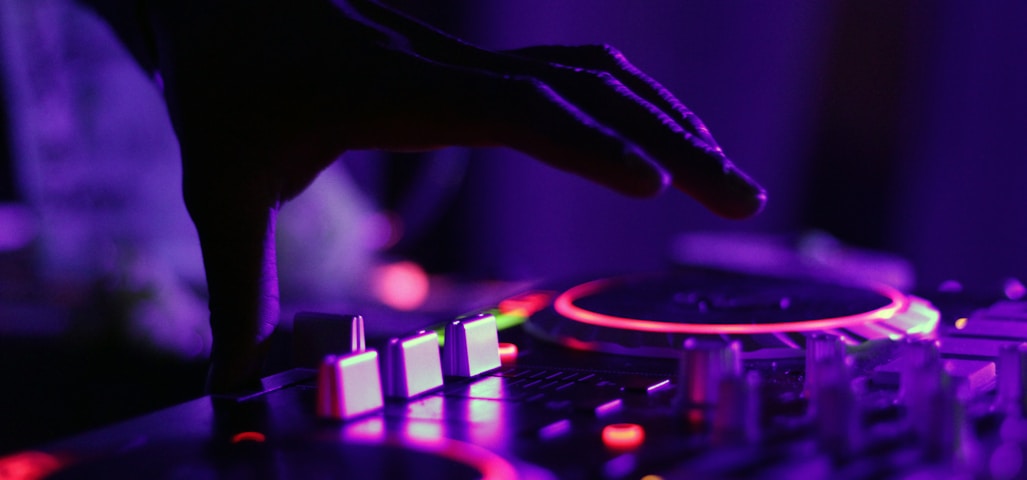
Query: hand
pixel 265 94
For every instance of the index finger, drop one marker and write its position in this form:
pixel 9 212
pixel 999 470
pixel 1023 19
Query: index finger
pixel 695 166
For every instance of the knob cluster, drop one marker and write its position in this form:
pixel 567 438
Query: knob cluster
pixel 355 381
pixel 704 365
pixel 714 395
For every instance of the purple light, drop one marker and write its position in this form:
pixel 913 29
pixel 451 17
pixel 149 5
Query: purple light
pixel 1014 289
pixel 17 227
pixel 555 429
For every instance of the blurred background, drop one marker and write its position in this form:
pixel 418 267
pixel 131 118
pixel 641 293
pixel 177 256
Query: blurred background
pixel 882 126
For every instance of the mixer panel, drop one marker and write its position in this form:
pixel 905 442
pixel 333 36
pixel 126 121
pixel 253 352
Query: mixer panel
pixel 753 377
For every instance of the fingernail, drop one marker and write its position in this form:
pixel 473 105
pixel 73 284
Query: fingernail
pixel 748 197
pixel 647 178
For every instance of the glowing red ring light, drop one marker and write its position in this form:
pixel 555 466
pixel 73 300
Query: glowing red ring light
pixel 564 305
pixel 249 437
pixel 490 465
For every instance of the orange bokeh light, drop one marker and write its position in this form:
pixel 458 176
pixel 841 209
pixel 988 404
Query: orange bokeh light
pixel 623 436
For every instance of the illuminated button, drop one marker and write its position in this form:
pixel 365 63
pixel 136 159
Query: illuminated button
pixel 623 436
pixel 983 326
pixel 412 365
pixel 641 384
pixel 348 385
pixel 507 353
pixel 556 429
pixel 599 408
pixel 29 464
pixel 472 346
pixel 315 335
pixel 526 304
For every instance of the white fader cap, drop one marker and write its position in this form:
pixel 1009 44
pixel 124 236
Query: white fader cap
pixel 412 365
pixel 472 346
pixel 348 385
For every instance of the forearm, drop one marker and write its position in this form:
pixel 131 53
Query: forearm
pixel 229 198
pixel 131 20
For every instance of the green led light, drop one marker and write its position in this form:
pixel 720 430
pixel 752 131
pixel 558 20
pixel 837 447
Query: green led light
pixel 503 322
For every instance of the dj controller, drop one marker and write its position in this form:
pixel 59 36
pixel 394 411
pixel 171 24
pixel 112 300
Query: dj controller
pixel 686 373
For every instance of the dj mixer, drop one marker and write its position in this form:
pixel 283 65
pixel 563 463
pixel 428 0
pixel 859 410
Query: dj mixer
pixel 686 373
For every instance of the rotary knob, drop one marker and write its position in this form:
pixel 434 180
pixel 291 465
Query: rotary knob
pixel 1011 376
pixel 821 348
pixel 704 364
pixel 934 403
pixel 833 406
pixel 736 416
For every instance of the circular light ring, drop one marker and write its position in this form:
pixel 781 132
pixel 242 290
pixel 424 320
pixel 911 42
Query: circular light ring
pixel 564 305
pixel 491 465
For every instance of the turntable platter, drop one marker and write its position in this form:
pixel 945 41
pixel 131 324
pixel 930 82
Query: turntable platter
pixel 883 410
pixel 653 314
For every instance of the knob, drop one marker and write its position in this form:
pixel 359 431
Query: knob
pixel 315 335
pixel 472 346
pixel 833 407
pixel 1011 373
pixel 922 369
pixel 934 402
pixel 821 347
pixel 936 414
pixel 348 385
pixel 412 365
pixel 737 413
pixel 704 364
